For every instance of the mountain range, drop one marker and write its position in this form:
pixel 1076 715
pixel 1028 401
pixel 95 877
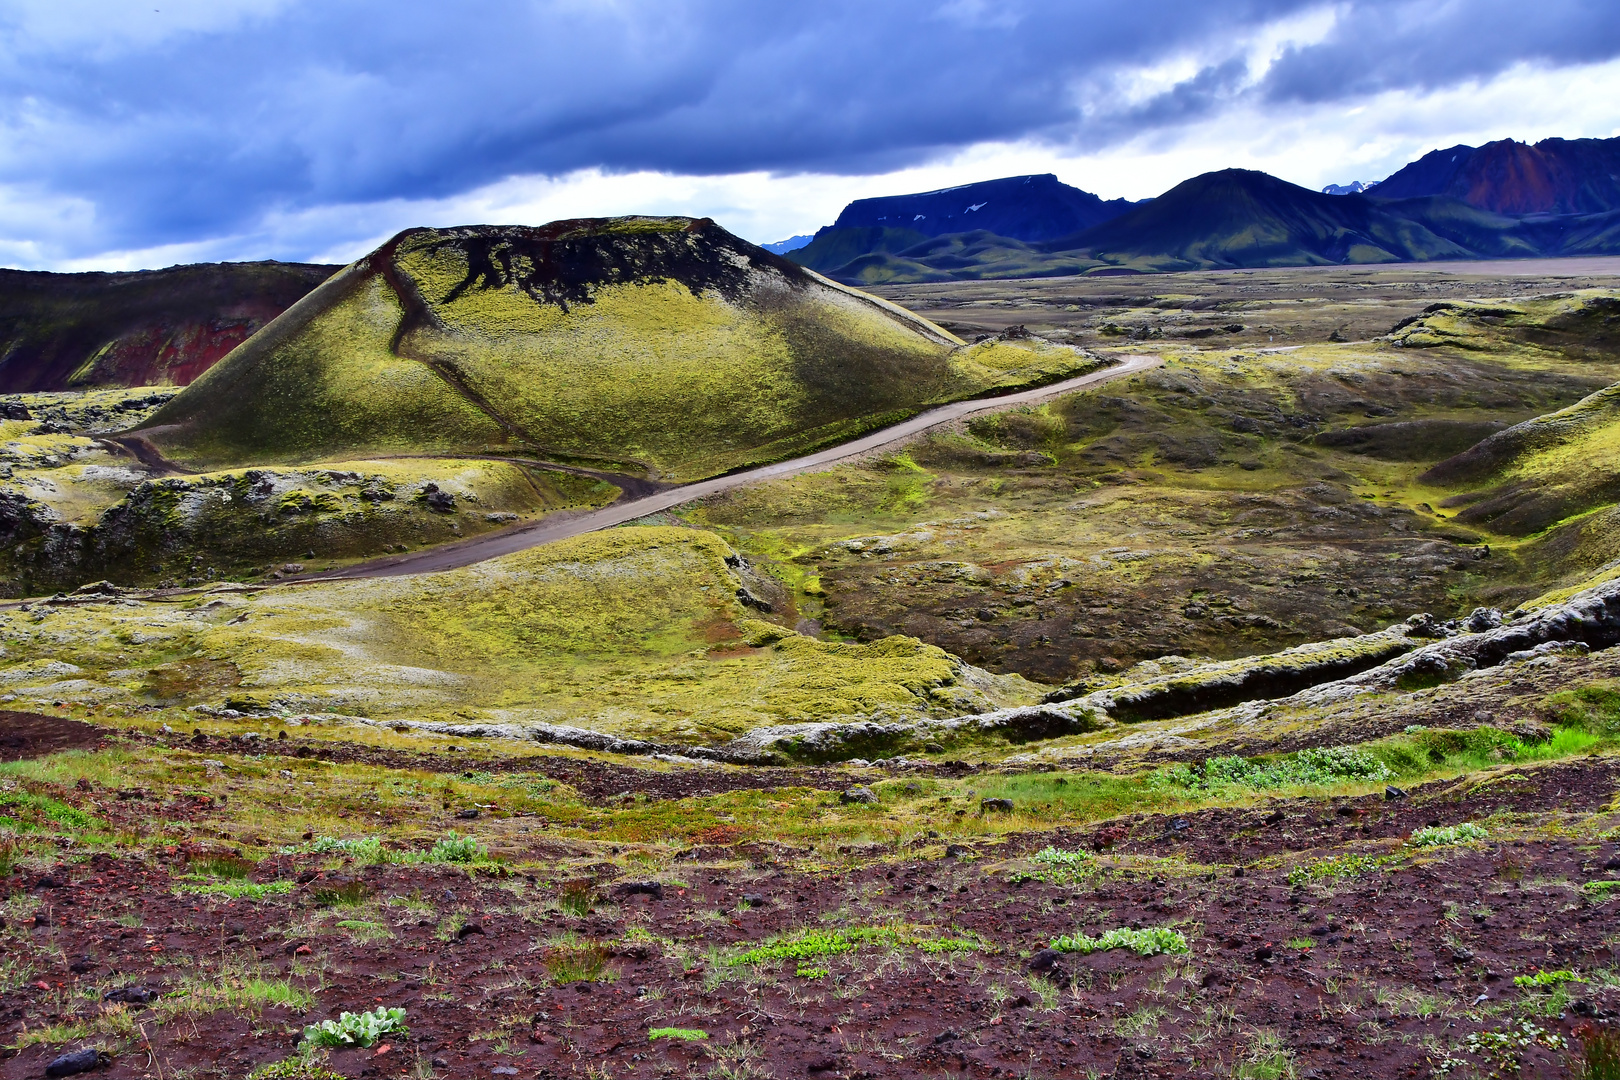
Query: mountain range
pixel 1503 200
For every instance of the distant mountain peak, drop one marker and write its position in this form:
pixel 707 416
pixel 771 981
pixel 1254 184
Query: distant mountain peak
pixel 1029 208
pixel 1354 187
pixel 792 243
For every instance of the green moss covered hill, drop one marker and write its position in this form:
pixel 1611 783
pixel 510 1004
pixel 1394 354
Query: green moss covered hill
pixel 663 345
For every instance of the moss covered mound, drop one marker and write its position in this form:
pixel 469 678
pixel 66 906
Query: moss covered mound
pixel 660 343
pixel 641 633
pixel 1541 472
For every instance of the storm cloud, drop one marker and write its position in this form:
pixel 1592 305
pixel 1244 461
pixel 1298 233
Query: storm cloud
pixel 181 121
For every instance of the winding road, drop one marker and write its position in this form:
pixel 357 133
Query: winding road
pixel 566 524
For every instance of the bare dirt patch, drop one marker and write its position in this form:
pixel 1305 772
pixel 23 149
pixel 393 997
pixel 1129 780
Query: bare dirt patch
pixel 31 735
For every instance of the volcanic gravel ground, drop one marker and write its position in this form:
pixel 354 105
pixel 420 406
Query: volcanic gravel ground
pixel 30 735
pixel 1399 955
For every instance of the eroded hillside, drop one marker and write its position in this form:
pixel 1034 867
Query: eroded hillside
pixel 1229 502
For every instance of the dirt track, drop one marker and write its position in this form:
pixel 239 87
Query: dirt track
pixel 564 526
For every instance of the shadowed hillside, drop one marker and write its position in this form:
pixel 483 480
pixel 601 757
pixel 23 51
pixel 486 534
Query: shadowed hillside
pixel 1239 217
pixel 985 226
pixel 662 345
pixel 153 327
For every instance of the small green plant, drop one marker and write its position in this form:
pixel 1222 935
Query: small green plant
pixel 1600 1052
pixel 222 866
pixel 1148 941
pixel 1443 835
pixel 365 848
pixel 357 1029
pixel 455 848
pixel 1539 979
pixel 1351 865
pixel 580 962
pixel 1062 867
pixel 1320 765
pixel 1501 1050
pixel 809 944
pixel 346 894
pixel 1269 1058
pixel 236 890
pixel 577 897
pixel 810 972
pixel 681 1034
pixel 805 946
pixel 365 931
pixel 1601 891
pixel 294 1068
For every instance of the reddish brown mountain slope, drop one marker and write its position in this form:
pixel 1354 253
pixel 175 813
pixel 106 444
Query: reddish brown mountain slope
pixel 146 328
pixel 1555 176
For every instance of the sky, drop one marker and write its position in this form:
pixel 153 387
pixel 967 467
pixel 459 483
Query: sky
pixel 152 132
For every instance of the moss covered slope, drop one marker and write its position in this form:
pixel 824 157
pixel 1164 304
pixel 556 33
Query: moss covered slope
pixel 645 633
pixel 663 343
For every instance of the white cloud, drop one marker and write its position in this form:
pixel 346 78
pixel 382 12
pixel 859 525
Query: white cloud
pixel 1310 145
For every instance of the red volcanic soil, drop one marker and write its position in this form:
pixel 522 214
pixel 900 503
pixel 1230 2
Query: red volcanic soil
pixel 172 354
pixel 1374 977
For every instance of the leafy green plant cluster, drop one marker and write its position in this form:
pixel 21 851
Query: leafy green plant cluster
pixel 1321 765
pixel 1148 941
pixel 235 889
pixel 294 1068
pixel 679 1034
pixel 1443 835
pixel 811 971
pixel 809 944
pixel 357 1029
pixel 1062 867
pixel 454 848
pixel 1601 890
pixel 1349 865
pixel 1501 1050
pixel 364 848
pixel 1537 980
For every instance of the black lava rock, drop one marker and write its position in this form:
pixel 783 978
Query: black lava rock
pixel 77 1062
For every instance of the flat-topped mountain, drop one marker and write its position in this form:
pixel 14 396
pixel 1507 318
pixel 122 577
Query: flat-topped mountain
pixel 1039 207
pixel 1027 209
pixel 661 345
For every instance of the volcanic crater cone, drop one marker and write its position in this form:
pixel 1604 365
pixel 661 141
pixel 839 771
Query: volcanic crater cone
pixel 661 346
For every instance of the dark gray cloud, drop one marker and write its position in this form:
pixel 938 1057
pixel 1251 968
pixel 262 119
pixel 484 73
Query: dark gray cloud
pixel 1375 47
pixel 181 136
